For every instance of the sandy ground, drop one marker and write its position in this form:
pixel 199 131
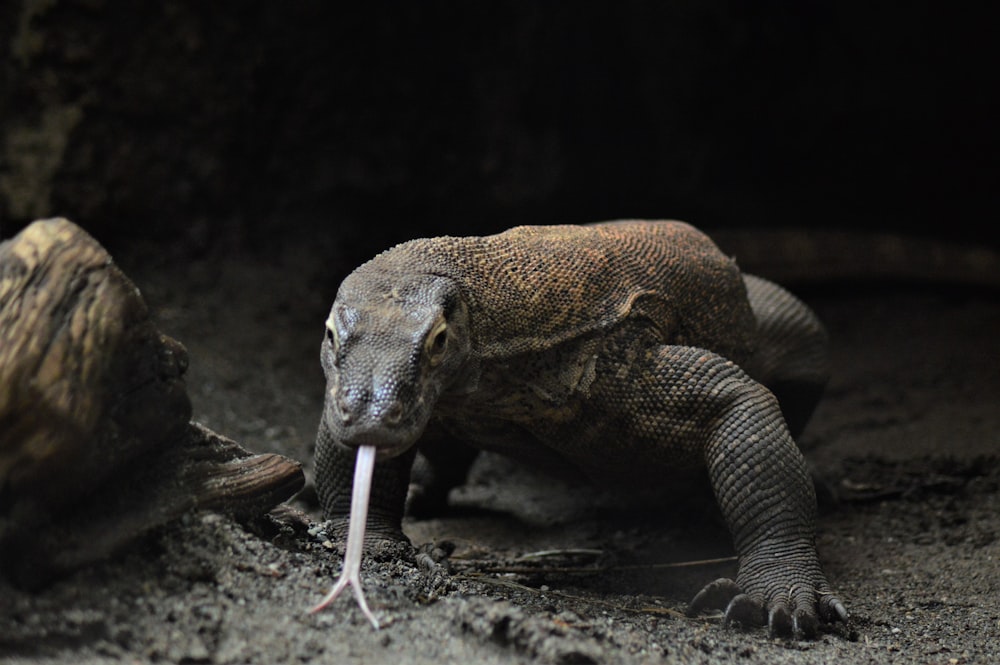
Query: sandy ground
pixel 906 441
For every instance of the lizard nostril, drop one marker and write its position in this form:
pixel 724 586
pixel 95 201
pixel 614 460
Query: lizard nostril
pixel 393 414
pixel 343 409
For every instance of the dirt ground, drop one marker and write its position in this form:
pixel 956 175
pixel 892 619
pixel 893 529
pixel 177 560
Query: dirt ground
pixel 906 442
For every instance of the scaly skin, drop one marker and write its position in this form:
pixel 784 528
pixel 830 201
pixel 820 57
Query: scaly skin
pixel 628 352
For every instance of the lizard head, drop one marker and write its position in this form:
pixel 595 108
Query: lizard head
pixel 392 345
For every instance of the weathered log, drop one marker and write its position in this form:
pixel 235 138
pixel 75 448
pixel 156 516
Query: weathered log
pixel 96 443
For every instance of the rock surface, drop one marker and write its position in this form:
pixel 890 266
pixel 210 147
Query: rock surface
pixel 96 444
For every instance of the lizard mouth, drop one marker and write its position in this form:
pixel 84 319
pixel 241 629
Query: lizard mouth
pixel 386 442
pixel 382 450
pixel 383 453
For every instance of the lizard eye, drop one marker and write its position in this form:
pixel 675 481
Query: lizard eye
pixel 437 341
pixel 331 337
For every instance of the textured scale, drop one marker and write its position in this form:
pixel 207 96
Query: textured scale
pixel 633 353
pixel 533 287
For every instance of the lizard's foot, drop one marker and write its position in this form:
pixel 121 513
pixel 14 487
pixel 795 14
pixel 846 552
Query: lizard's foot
pixel 384 540
pixel 791 597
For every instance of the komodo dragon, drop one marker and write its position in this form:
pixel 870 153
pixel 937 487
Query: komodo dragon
pixel 631 352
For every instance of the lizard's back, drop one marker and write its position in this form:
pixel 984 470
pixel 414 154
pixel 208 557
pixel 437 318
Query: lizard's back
pixel 533 287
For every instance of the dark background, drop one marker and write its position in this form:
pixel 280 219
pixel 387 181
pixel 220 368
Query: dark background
pixel 207 125
pixel 238 157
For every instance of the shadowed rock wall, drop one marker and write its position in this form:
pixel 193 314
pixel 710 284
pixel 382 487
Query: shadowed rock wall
pixel 192 120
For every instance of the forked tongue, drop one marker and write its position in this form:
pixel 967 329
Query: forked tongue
pixel 350 574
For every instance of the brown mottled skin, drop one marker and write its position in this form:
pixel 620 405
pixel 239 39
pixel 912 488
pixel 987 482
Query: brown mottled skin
pixel 629 352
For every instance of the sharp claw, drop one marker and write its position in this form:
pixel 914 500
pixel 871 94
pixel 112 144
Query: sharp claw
pixel 745 612
pixel 831 609
pixel 715 595
pixel 350 574
pixel 780 622
pixel 841 611
pixel 805 624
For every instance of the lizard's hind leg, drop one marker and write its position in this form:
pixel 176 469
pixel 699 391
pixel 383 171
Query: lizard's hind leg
pixel 792 356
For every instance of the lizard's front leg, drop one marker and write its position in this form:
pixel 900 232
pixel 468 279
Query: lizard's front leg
pixel 334 472
pixel 760 481
pixel 383 515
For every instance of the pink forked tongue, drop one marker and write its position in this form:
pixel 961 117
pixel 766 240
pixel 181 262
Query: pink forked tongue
pixel 350 574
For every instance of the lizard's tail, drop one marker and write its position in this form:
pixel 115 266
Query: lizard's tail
pixel 791 256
